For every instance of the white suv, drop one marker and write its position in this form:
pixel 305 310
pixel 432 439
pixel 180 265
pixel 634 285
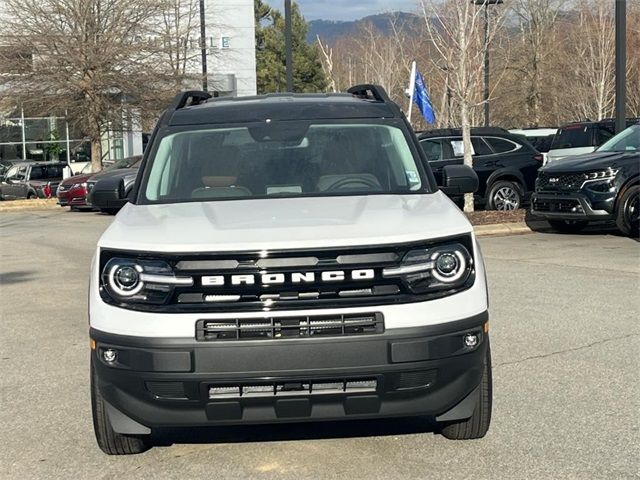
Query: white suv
pixel 287 258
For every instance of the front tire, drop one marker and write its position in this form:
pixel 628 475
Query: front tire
pixel 109 441
pixel 505 196
pixel 477 425
pixel 568 226
pixel 628 212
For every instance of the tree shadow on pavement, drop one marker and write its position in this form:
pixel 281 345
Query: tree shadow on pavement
pixel 9 278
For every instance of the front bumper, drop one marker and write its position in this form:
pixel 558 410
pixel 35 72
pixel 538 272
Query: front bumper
pixel 71 198
pixel 166 382
pixel 578 205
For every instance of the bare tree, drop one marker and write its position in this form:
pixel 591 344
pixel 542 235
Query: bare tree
pixel 633 58
pixel 592 48
pixel 179 36
pixel 327 64
pixel 537 21
pixel 456 30
pixel 86 57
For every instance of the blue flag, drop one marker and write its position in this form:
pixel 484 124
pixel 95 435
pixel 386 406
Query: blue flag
pixel 421 98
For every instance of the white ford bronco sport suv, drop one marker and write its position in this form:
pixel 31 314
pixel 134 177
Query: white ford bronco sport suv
pixel 288 258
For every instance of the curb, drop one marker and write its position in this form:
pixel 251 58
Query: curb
pixel 27 205
pixel 517 228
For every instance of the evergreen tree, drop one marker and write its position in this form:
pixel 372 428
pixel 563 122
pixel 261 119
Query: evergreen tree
pixel 308 75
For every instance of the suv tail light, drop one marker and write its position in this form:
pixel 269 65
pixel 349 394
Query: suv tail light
pixel 539 157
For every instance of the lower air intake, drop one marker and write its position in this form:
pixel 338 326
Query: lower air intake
pixel 283 389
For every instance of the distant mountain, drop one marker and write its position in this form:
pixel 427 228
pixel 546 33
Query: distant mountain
pixel 329 31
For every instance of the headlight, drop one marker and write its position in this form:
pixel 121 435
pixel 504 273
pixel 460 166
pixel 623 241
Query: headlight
pixel 442 267
pixel 137 280
pixel 608 173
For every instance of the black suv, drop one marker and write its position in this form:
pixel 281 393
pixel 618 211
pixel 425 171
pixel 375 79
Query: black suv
pixel 29 179
pixel 506 164
pixel 603 185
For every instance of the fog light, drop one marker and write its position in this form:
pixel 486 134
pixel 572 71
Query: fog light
pixel 470 340
pixel 109 355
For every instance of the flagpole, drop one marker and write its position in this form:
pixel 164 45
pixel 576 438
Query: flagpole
pixel 412 88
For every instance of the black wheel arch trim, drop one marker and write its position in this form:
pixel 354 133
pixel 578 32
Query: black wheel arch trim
pixel 630 182
pixel 506 174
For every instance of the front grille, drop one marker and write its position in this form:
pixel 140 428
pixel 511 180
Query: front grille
pixel 560 182
pixel 289 327
pixel 289 279
pixel 283 389
pixel 558 206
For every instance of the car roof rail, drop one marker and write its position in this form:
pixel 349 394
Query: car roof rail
pixel 189 98
pixel 368 91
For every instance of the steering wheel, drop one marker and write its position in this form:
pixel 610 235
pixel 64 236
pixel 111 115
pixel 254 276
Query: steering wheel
pixel 353 183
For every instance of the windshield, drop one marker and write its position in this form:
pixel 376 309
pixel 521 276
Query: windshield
pixel 626 141
pixel 285 159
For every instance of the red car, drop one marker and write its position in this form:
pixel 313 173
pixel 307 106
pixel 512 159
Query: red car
pixel 72 192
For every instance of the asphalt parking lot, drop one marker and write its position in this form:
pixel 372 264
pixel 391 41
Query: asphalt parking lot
pixel 565 342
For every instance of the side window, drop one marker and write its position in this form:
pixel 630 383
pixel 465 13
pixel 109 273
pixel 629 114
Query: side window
pixel 604 133
pixel 54 172
pixel 21 174
pixel 480 147
pixel 37 173
pixel 457 147
pixel 500 145
pixel 432 149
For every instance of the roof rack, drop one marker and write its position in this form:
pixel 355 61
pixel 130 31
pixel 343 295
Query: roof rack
pixel 189 98
pixel 181 100
pixel 370 91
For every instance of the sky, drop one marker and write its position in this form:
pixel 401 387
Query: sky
pixel 347 9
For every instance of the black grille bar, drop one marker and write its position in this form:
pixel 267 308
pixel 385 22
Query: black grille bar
pixel 273 328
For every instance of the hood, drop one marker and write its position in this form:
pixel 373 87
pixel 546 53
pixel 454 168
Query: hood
pixel 284 223
pixel 118 172
pixel 591 161
pixel 76 179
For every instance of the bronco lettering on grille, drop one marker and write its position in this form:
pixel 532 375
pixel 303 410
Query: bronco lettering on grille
pixel 281 278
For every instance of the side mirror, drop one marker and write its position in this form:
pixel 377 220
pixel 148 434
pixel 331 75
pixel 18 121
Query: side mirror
pixel 108 193
pixel 459 179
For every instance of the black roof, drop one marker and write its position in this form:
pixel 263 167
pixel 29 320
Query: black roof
pixel 629 121
pixel 457 132
pixel 360 101
pixel 282 106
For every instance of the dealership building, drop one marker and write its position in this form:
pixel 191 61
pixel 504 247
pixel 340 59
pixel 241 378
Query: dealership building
pixel 231 71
